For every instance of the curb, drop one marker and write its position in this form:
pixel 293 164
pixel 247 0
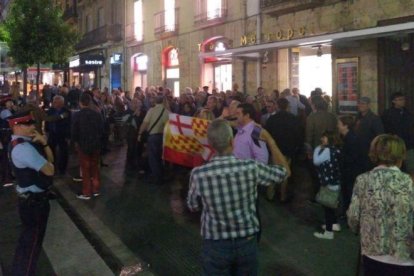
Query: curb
pixel 119 258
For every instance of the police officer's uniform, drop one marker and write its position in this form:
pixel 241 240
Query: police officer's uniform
pixel 5 135
pixel 32 189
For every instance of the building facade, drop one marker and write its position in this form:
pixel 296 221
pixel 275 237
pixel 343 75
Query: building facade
pixel 348 48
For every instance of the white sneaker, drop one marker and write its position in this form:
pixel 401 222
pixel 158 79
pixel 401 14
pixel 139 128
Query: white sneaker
pixel 8 184
pixel 84 197
pixel 335 227
pixel 327 235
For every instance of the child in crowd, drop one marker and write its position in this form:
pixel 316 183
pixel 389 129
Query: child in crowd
pixel 326 158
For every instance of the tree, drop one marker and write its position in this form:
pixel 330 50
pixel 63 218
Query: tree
pixel 38 34
pixel 4 34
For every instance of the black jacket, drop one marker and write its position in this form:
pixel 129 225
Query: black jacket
pixel 286 129
pixel 87 130
pixel 399 122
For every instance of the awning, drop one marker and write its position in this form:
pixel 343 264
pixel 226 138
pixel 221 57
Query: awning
pixel 315 40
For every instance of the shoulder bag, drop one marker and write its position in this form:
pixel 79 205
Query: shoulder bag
pixel 327 197
pixel 145 133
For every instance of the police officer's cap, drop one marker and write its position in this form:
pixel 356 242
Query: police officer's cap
pixel 21 118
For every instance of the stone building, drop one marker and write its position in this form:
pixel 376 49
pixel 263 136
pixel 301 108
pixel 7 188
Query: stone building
pixel 348 48
pixel 100 25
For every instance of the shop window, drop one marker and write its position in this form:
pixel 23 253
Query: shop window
pixel 141 63
pixel 138 20
pixel 173 57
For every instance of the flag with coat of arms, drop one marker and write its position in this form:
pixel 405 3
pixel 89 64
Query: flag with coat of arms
pixel 185 141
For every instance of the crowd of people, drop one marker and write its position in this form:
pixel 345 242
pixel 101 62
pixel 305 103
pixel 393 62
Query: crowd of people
pixel 368 159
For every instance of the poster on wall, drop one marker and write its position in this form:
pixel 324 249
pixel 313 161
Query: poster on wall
pixel 347 79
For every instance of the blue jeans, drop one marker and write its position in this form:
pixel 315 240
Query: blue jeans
pixel 230 257
pixel 155 154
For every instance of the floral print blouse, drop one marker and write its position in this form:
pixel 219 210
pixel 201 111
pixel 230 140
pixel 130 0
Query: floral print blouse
pixel 382 210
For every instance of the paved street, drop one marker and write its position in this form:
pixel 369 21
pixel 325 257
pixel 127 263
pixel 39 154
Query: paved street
pixel 134 222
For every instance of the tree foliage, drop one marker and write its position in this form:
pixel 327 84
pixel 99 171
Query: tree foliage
pixel 38 33
pixel 4 34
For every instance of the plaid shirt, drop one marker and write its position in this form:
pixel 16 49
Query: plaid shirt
pixel 228 190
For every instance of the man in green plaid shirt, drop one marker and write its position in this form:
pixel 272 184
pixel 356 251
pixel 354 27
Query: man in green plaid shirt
pixel 227 189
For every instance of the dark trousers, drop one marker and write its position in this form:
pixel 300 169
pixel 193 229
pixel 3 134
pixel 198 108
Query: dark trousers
pixel 91 179
pixel 134 150
pixel 33 214
pixel 60 149
pixel 5 171
pixel 330 218
pixel 375 268
pixel 155 155
pixel 346 191
pixel 230 257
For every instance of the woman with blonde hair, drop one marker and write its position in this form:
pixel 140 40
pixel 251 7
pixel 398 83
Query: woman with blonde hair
pixel 382 211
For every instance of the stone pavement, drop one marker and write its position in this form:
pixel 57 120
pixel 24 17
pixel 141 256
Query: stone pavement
pixel 134 222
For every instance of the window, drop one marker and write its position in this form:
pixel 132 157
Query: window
pixel 210 11
pixel 214 9
pixel 169 6
pixel 138 20
pixel 80 25
pixel 88 23
pixel 101 17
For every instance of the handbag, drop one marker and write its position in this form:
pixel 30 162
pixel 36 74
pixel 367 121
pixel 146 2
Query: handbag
pixel 145 133
pixel 327 197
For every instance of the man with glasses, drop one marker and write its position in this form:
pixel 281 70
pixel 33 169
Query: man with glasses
pixel 32 163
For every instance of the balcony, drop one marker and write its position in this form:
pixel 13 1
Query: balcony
pixel 130 34
pixel 165 26
pixel 107 33
pixel 280 7
pixel 205 18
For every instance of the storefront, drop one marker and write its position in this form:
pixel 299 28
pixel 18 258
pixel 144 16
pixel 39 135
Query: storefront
pixel 216 72
pixel 116 71
pixel 60 74
pixel 171 70
pixel 139 65
pixel 85 70
pixel 345 65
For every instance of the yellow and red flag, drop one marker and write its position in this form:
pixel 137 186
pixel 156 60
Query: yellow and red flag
pixel 185 141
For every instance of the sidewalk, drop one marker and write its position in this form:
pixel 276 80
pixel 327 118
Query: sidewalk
pixel 65 248
pixel 10 227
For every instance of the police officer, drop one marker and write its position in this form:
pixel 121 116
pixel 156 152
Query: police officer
pixel 5 136
pixel 31 160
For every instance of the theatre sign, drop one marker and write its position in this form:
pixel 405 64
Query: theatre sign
pixel 251 39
